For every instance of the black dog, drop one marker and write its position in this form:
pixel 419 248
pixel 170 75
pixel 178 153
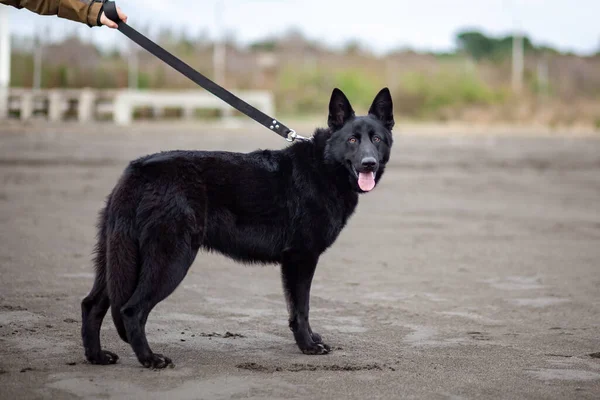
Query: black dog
pixel 286 206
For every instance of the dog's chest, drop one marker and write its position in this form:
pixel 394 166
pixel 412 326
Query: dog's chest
pixel 324 220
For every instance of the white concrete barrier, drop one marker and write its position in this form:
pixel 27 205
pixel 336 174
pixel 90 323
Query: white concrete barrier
pixel 126 102
pixel 121 104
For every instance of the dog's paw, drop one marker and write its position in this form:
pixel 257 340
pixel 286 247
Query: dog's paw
pixel 103 358
pixel 316 349
pixel 316 338
pixel 157 361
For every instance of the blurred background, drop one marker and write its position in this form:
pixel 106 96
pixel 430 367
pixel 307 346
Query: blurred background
pixel 492 61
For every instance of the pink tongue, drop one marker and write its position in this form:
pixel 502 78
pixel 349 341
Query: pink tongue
pixel 366 180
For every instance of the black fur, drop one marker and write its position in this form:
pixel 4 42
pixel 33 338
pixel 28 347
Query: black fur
pixel 285 206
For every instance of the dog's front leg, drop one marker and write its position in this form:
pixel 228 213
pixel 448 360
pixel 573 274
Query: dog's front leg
pixel 297 270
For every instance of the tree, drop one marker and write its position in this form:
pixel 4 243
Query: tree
pixel 267 44
pixel 480 46
pixel 476 44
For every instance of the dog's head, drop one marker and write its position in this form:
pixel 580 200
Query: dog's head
pixel 360 144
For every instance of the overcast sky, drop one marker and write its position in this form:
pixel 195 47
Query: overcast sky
pixel 379 24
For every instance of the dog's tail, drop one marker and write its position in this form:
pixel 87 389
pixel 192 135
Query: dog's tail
pixel 122 275
pixel 122 258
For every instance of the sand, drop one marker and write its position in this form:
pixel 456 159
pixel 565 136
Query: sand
pixel 471 271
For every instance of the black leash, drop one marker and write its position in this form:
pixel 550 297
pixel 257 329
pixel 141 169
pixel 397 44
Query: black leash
pixel 110 9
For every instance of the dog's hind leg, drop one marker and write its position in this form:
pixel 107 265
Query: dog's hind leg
pixel 297 271
pixel 93 310
pixel 166 259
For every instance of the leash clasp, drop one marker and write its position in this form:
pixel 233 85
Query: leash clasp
pixel 292 135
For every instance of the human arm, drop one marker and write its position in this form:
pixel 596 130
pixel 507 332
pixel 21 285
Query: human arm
pixel 85 11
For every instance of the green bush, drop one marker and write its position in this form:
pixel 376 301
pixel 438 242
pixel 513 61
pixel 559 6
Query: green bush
pixel 360 87
pixel 430 93
pixel 144 80
pixel 299 90
pixel 307 90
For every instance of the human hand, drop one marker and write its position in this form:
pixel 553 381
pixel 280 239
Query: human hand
pixel 112 24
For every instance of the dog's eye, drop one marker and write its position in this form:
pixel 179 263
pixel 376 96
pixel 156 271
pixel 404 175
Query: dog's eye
pixel 352 140
pixel 376 139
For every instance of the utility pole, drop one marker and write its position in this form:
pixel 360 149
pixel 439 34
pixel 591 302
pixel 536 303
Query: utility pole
pixel 542 76
pixel 37 59
pixel 133 65
pixel 219 50
pixel 518 64
pixel 4 61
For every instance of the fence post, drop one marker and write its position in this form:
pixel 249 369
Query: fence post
pixel 26 105
pixel 85 105
pixel 55 106
pixel 122 109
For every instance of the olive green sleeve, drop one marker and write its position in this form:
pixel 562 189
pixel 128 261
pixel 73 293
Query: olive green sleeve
pixel 84 11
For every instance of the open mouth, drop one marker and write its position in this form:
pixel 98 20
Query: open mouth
pixel 366 179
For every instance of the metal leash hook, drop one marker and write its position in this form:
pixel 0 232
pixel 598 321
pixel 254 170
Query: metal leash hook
pixel 292 135
pixel 110 9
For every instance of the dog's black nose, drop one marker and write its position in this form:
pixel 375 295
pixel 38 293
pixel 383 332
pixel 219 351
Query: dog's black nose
pixel 369 162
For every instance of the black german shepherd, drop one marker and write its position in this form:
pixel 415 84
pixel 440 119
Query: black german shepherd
pixel 282 206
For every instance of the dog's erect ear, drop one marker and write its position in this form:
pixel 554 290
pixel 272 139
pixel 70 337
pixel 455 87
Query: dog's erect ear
pixel 340 110
pixel 383 109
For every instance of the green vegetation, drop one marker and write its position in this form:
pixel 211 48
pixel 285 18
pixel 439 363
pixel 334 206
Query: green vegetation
pixel 302 73
pixel 447 88
pixel 480 46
